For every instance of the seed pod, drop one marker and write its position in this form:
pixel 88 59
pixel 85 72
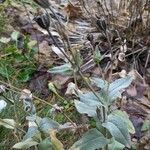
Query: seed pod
pixel 90 37
pixel 43 21
pixel 121 57
pixel 101 23
pixel 43 3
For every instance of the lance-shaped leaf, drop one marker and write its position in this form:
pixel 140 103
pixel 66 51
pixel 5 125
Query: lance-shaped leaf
pixel 25 144
pixel 7 123
pixel 113 89
pixel 100 83
pixel 91 140
pixel 52 87
pixel 63 69
pixel 89 102
pixel 90 99
pixel 85 108
pixel 118 130
pixel 32 132
pixel 47 124
pixel 124 116
pixel 57 145
pixel 117 85
pixel 115 146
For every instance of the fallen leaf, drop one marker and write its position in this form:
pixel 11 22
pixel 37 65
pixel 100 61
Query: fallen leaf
pixel 71 90
pixel 39 82
pixel 57 145
pixel 2 104
pixel 73 11
pixel 57 51
pixel 131 91
pixel 60 81
pixel 137 90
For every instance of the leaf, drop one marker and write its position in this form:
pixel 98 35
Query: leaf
pixel 124 116
pixel 19 39
pixel 117 85
pixel 46 144
pixel 89 102
pixel 15 35
pixel 146 125
pixel 57 145
pixel 25 144
pixel 91 140
pixel 118 130
pixel 85 109
pixel 114 96
pixel 47 124
pixel 90 99
pixel 77 56
pixel 31 44
pixel 2 104
pixel 114 88
pixel 63 69
pixel 97 55
pixel 7 123
pixel 115 146
pixel 57 51
pixel 52 87
pixel 32 132
pixel 100 83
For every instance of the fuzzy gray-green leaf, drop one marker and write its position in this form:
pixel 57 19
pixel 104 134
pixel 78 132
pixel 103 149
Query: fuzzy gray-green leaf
pixel 47 124
pixel 90 99
pixel 117 85
pixel 118 130
pixel 85 108
pixel 63 69
pixel 100 83
pixel 91 140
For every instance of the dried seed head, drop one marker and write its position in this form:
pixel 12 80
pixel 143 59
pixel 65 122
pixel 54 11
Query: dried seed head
pixel 101 23
pixel 123 47
pixel 121 57
pixel 90 37
pixel 43 21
